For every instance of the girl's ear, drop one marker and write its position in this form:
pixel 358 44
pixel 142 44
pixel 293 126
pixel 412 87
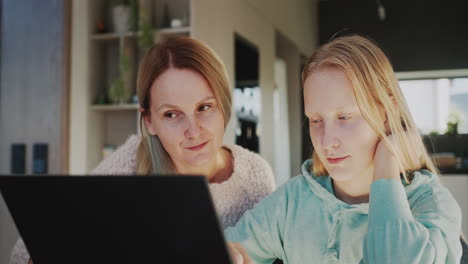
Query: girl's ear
pixel 147 121
pixel 385 116
pixel 387 127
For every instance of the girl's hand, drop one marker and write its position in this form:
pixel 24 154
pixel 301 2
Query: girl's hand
pixel 386 164
pixel 238 254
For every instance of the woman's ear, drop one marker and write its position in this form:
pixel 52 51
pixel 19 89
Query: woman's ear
pixel 147 120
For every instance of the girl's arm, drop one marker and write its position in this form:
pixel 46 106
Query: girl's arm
pixel 259 229
pixel 429 232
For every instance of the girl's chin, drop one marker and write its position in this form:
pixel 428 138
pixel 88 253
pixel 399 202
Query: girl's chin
pixel 340 174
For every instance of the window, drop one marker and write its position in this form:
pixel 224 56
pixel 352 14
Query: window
pixel 435 102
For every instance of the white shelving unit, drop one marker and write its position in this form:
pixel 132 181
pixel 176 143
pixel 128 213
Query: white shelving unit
pixel 111 124
pixel 112 36
pixel 174 31
pixel 115 107
pixel 133 35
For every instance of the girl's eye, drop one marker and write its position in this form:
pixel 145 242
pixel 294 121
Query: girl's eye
pixel 344 117
pixel 170 115
pixel 204 108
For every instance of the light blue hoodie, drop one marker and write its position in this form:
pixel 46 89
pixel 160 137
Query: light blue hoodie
pixel 303 222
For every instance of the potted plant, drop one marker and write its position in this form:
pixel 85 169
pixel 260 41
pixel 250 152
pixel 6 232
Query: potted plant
pixel 452 124
pixel 119 91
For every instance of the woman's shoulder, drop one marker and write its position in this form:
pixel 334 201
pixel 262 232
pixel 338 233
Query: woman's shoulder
pixel 249 163
pixel 122 160
pixel 19 253
pixel 243 156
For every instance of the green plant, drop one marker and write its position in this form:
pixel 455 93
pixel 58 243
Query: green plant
pixel 118 93
pixel 133 14
pixel 146 36
pixel 453 121
pixel 142 26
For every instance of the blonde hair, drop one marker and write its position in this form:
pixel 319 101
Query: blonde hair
pixel 378 96
pixel 180 53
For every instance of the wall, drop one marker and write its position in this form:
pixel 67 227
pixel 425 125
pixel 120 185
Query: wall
pixel 457 185
pixel 290 53
pixel 82 123
pixel 258 22
pixel 296 20
pixel 33 102
pixel 417 35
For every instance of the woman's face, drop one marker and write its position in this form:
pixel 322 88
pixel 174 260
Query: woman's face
pixel 186 117
pixel 342 138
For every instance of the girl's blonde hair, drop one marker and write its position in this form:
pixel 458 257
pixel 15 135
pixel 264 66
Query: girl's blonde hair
pixel 180 53
pixel 378 96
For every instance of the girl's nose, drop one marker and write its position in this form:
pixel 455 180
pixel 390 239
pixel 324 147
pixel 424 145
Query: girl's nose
pixel 330 139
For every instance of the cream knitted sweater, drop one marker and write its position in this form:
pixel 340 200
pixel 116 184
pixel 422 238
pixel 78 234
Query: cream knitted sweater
pixel 252 179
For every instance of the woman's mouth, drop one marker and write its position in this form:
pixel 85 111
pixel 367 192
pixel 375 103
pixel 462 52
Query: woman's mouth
pixel 336 160
pixel 198 147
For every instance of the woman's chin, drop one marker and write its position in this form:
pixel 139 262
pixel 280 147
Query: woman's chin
pixel 198 160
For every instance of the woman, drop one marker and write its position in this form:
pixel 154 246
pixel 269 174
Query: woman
pixel 370 194
pixel 185 102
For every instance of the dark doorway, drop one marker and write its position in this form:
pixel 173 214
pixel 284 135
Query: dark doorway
pixel 247 96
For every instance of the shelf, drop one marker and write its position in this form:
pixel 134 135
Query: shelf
pixel 176 31
pixel 115 107
pixel 161 31
pixel 113 36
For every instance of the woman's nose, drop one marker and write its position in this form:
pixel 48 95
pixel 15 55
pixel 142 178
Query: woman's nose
pixel 193 128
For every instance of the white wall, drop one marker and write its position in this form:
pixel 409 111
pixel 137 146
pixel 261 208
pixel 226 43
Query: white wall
pixel 458 184
pixel 282 165
pixel 288 51
pixel 295 19
pixel 216 21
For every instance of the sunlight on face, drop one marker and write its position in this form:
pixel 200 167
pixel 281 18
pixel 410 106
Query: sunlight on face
pixel 342 138
pixel 186 117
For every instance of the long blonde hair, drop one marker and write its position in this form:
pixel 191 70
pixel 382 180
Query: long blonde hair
pixel 179 53
pixel 378 96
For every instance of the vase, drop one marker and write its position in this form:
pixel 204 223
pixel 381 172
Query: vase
pixel 121 19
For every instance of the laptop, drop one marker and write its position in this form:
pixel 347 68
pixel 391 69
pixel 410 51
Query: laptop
pixel 115 219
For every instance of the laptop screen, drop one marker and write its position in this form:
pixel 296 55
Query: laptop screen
pixel 115 219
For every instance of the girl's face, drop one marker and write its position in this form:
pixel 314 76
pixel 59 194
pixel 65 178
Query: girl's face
pixel 186 117
pixel 342 138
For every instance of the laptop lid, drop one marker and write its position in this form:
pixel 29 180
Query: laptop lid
pixel 115 219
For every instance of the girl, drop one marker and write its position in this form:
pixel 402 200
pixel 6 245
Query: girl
pixel 370 193
pixel 185 101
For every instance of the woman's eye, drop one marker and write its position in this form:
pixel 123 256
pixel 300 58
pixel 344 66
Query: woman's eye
pixel 170 115
pixel 344 117
pixel 204 108
pixel 315 121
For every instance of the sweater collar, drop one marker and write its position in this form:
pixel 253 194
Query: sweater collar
pixel 322 186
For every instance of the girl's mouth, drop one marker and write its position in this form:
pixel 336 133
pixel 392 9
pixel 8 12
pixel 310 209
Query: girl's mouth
pixel 336 160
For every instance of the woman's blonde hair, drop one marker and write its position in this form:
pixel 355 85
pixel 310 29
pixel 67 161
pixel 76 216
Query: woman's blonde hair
pixel 378 96
pixel 180 53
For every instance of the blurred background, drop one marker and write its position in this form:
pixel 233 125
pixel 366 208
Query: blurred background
pixel 68 70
